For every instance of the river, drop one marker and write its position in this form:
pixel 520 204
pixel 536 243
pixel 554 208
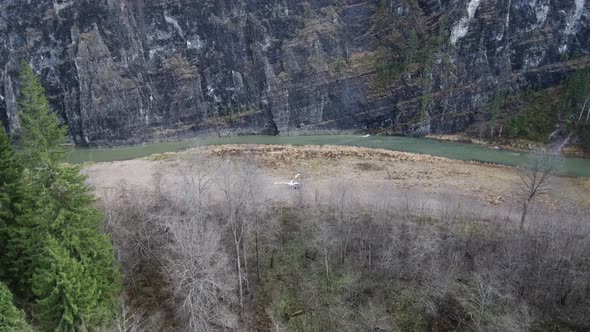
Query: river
pixel 454 150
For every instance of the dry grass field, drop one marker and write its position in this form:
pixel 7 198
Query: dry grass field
pixel 421 179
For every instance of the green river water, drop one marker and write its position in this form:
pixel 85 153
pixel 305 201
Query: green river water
pixel 452 150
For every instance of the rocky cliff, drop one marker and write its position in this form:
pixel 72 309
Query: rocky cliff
pixel 121 71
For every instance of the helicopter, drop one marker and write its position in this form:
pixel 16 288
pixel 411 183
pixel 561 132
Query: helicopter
pixel 293 184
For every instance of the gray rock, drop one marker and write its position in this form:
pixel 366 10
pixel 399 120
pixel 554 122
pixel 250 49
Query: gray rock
pixel 127 71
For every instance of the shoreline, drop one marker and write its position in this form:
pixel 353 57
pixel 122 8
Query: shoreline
pixel 513 146
pixel 363 170
pixel 211 134
pixel 573 151
pixel 473 153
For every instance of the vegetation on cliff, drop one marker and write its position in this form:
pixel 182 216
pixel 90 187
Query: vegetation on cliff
pixel 160 69
pixel 558 115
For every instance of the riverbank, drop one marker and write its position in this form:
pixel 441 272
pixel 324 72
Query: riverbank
pixel 372 174
pixel 516 145
pixel 452 150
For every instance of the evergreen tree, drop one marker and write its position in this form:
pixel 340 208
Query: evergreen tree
pixel 412 47
pixel 11 318
pixel 65 213
pixel 69 298
pixel 77 226
pixel 41 133
pixel 11 186
pixel 56 252
pixel 23 213
pixel 575 92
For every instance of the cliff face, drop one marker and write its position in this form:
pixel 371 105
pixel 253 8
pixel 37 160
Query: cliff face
pixel 130 70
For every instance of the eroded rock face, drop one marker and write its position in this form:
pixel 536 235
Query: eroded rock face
pixel 124 71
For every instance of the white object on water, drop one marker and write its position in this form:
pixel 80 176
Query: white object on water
pixel 367 135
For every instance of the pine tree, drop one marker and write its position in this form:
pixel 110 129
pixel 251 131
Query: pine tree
pixel 77 226
pixel 56 252
pixel 12 195
pixel 13 200
pixel 412 47
pixel 69 297
pixel 29 209
pixel 41 132
pixel 11 318
pixel 25 236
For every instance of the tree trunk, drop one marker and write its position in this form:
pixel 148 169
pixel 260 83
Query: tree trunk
pixel 326 262
pixel 238 263
pixel 257 252
pixel 272 258
pixel 525 207
pixel 582 112
pixel 507 220
pixel 245 255
pixel 370 256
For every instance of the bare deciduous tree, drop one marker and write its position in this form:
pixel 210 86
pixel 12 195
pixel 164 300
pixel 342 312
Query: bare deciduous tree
pixel 197 264
pixel 453 268
pixel 323 232
pixel 343 204
pixel 480 297
pixel 374 318
pixel 242 194
pixel 196 189
pixel 129 320
pixel 534 176
pixel 235 192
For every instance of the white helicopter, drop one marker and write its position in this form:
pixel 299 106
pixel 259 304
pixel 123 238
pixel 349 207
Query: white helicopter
pixel 294 184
